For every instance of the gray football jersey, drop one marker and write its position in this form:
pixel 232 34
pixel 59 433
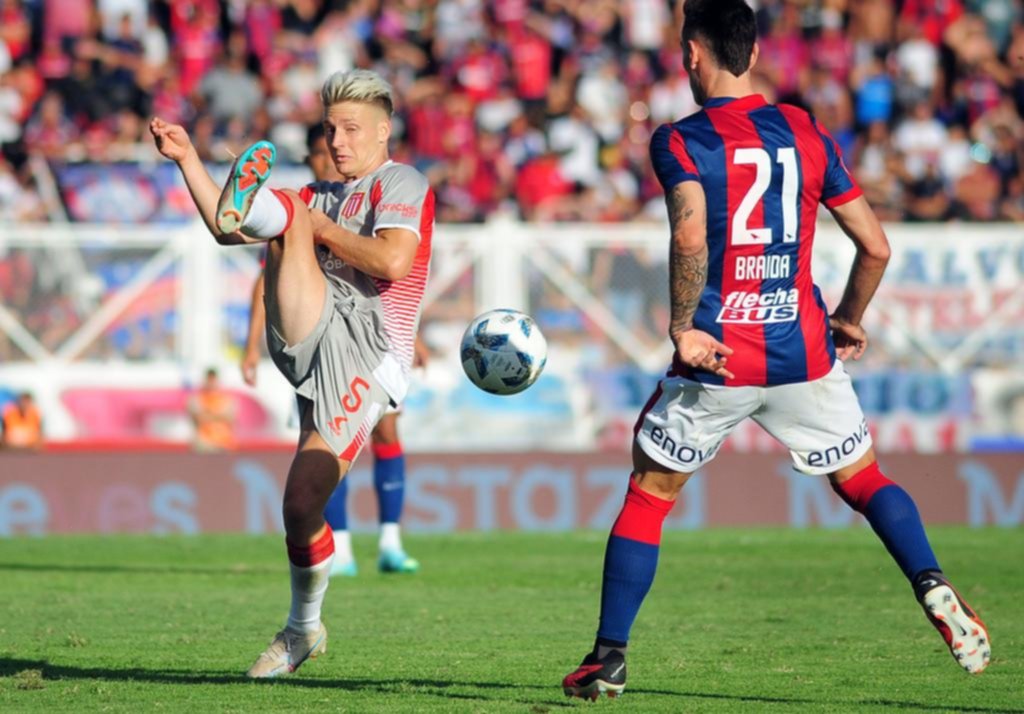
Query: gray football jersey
pixel 394 196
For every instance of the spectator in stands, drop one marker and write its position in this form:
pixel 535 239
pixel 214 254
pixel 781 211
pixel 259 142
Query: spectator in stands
pixel 920 138
pixel 585 77
pixel 22 424
pixel 229 90
pixel 212 409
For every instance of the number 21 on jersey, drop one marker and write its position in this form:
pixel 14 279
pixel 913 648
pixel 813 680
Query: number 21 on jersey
pixel 741 233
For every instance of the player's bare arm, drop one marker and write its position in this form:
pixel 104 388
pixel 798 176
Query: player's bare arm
pixel 173 142
pixel 257 319
pixel 688 274
pixel 388 255
pixel 858 222
pixel 421 353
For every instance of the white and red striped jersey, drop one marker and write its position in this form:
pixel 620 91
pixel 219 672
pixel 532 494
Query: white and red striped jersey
pixel 393 196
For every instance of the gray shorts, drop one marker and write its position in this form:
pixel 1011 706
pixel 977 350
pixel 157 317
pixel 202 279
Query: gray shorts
pixel 333 368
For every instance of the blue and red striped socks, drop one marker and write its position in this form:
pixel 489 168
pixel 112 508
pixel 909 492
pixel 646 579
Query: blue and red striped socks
pixel 892 514
pixel 630 562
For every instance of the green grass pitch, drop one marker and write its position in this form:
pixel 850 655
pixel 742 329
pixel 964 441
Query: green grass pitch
pixel 738 620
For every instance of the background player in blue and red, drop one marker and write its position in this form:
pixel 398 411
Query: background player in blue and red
pixel 743 180
pixel 385 444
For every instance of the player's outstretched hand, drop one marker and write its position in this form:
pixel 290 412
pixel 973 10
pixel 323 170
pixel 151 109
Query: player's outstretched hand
pixel 850 340
pixel 700 350
pixel 171 139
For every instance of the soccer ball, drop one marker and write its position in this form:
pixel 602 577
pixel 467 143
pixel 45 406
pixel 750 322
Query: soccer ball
pixel 503 351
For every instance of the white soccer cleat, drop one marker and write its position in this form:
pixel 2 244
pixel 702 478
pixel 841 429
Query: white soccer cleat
pixel 287 652
pixel 960 627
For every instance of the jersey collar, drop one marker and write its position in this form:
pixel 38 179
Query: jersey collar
pixel 751 101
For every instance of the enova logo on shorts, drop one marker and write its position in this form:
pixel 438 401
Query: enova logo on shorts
pixel 682 453
pixel 835 454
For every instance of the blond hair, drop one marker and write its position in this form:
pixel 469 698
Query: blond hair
pixel 357 85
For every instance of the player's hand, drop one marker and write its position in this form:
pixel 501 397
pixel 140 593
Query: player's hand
pixel 850 340
pixel 320 221
pixel 250 361
pixel 700 350
pixel 171 139
pixel 420 353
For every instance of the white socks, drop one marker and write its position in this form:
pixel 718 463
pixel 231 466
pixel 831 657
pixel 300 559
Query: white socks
pixel 390 537
pixel 343 547
pixel 267 217
pixel 309 585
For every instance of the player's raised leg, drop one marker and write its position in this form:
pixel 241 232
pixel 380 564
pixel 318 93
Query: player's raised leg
pixel 295 285
pixel 389 484
pixel 893 515
pixel 630 562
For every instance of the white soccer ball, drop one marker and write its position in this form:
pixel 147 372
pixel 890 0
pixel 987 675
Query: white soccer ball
pixel 503 351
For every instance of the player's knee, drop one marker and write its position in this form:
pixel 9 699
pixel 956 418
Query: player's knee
pixel 299 227
pixel 299 510
pixel 291 197
pixel 664 486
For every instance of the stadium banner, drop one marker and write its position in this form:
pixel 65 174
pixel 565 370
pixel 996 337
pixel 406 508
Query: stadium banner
pixel 146 193
pixel 176 491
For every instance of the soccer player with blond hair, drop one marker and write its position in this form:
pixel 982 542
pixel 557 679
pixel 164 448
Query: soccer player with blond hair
pixel 347 266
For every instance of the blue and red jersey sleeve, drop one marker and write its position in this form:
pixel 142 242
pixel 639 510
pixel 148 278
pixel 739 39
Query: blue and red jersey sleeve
pixel 839 186
pixel 671 161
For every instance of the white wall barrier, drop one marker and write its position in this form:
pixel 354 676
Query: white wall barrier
pixel 107 324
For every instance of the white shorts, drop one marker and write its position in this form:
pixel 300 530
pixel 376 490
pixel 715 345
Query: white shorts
pixel 820 422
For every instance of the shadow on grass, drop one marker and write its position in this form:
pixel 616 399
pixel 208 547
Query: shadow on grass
pixel 429 687
pixel 866 703
pixel 141 569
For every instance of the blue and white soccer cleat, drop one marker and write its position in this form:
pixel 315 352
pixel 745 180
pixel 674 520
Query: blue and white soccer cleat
pixel 287 652
pixel 249 172
pixel 397 561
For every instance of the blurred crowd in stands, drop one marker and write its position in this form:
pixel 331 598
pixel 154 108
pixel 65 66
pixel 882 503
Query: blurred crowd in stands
pixel 539 109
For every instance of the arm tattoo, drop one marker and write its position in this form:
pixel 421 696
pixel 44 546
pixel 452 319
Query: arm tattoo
pixel 688 271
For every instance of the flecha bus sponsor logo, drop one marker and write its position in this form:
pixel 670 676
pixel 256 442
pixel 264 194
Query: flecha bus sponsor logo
pixel 758 308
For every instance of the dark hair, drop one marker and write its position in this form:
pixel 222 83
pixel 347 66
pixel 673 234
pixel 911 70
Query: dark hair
pixel 727 28
pixel 314 134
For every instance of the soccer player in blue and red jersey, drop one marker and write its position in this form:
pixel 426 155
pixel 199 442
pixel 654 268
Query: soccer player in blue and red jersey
pixel 743 180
